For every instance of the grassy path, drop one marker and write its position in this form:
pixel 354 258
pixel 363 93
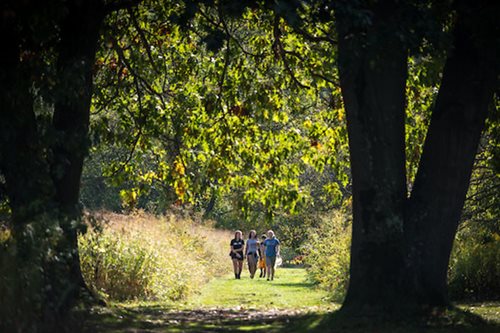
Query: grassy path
pixel 290 303
pixel 289 290
pixel 286 305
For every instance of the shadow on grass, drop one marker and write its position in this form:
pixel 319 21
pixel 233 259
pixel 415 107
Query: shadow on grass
pixel 442 320
pixel 163 319
pixel 293 284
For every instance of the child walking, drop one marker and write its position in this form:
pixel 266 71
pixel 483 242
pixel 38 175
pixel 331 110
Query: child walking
pixel 262 257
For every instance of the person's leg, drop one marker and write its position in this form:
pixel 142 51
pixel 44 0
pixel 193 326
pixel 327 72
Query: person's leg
pixel 254 267
pixel 265 267
pixel 249 263
pixel 272 264
pixel 235 268
pixel 268 267
pixel 241 267
pixel 255 261
pixel 252 264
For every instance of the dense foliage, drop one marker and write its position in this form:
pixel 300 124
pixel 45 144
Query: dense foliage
pixel 474 269
pixel 274 160
pixel 195 123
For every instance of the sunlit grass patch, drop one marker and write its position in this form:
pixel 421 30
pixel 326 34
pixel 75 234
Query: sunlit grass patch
pixel 487 310
pixel 289 290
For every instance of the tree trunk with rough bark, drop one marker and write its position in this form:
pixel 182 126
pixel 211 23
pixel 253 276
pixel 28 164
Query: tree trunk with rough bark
pixel 77 49
pixel 372 68
pixel 401 246
pixel 42 177
pixel 470 78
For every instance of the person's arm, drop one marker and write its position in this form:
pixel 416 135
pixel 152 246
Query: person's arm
pixel 246 249
pixel 278 248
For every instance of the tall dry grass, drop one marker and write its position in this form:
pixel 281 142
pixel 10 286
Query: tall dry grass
pixel 140 256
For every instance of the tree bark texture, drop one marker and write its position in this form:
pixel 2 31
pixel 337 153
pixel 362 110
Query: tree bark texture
pixel 372 64
pixel 42 177
pixel 77 49
pixel 470 78
pixel 21 157
pixel 401 246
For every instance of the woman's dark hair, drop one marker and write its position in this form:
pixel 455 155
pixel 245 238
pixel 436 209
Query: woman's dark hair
pixel 254 234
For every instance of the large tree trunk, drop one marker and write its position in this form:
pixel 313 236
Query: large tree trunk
pixel 469 79
pixel 373 67
pixel 42 182
pixel 79 38
pixel 21 158
pixel 28 184
pixel 400 248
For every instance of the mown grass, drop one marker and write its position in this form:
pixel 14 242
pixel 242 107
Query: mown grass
pixel 290 289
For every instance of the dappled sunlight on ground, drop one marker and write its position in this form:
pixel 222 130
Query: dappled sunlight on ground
pixel 157 319
pixel 288 304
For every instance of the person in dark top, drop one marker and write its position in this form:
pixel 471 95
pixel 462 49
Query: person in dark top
pixel 237 245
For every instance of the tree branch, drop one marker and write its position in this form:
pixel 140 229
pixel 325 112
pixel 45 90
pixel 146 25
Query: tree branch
pixel 281 53
pixel 143 38
pixel 120 4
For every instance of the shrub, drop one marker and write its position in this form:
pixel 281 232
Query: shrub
pixel 474 272
pixel 327 253
pixel 148 258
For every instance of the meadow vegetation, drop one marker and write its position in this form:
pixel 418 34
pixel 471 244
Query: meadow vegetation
pixel 474 272
pixel 141 256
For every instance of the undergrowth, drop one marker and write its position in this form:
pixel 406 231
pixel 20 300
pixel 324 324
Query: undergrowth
pixel 473 273
pixel 143 257
pixel 327 253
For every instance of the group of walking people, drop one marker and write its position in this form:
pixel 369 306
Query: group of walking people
pixel 260 254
